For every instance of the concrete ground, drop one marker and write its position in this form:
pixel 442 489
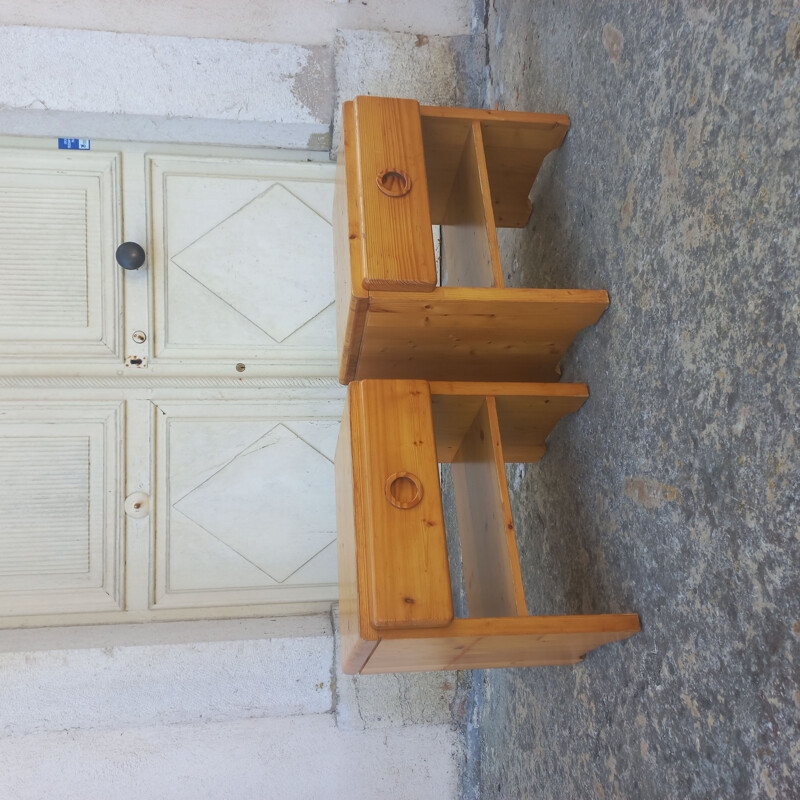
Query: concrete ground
pixel 674 491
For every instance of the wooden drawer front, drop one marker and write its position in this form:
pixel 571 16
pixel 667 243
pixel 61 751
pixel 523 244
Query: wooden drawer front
pixel 407 573
pixel 393 196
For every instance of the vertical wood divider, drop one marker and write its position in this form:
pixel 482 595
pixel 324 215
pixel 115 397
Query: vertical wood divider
pixel 488 211
pixel 469 250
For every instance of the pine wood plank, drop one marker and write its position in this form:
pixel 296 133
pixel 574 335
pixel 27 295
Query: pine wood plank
pixel 557 124
pixel 396 235
pixel 469 334
pixel 505 642
pixel 492 575
pixel 408 576
pixel 453 414
pixel 352 300
pixel 356 640
pixel 461 389
pixel 526 422
pixel 514 156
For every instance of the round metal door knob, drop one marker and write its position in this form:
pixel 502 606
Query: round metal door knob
pixel 137 505
pixel 130 255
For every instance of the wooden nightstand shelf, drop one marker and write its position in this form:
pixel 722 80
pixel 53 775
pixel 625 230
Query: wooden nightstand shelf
pixel 403 168
pixel 394 578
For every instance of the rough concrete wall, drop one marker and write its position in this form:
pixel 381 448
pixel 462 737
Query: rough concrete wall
pixel 386 701
pixel 674 491
pixel 298 758
pixel 392 65
pixel 304 22
pixel 267 674
pixel 281 93
pixel 239 708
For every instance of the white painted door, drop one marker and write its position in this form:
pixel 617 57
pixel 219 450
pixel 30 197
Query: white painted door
pixel 203 382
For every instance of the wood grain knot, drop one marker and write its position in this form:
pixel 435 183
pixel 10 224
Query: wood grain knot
pixel 403 490
pixel 393 182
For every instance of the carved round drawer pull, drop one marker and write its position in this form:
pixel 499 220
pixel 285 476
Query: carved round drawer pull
pixel 393 182
pixel 403 490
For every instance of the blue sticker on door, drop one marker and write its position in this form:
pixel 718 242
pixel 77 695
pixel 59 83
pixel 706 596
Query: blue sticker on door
pixel 74 144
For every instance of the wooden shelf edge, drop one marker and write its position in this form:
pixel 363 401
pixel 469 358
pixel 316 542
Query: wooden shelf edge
pixel 491 294
pixel 532 118
pixel 498 643
pixel 509 389
pixel 352 338
pixel 625 625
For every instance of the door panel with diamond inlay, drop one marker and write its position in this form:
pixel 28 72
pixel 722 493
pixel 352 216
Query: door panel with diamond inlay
pixel 242 261
pixel 246 511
